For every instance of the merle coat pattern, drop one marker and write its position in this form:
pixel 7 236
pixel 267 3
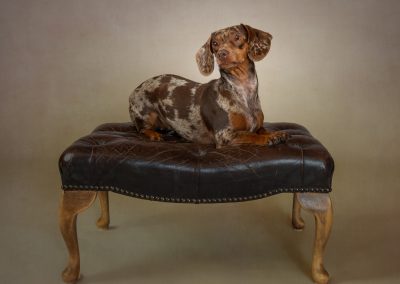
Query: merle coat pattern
pixel 225 111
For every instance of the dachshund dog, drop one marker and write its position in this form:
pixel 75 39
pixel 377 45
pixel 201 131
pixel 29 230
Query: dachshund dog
pixel 225 111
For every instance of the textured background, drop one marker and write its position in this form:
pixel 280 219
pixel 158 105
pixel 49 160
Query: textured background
pixel 67 66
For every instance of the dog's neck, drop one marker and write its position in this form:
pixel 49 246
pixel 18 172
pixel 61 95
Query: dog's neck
pixel 242 78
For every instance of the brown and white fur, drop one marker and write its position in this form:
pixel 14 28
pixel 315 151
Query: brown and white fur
pixel 225 111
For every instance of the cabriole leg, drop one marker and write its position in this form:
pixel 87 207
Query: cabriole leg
pixel 72 203
pixel 320 205
pixel 297 220
pixel 104 221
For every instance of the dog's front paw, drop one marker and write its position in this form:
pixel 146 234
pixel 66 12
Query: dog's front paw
pixel 277 137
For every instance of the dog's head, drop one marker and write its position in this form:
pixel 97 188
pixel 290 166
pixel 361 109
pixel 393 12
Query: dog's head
pixel 233 46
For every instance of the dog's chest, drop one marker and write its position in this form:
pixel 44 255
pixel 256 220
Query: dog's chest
pixel 242 107
pixel 249 114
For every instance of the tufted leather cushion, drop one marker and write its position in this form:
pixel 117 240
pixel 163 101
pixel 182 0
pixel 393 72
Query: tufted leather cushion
pixel 115 157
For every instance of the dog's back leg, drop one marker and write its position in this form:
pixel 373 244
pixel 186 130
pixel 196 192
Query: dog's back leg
pixel 147 125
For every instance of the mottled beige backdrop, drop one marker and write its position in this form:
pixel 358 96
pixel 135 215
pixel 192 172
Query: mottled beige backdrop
pixel 67 66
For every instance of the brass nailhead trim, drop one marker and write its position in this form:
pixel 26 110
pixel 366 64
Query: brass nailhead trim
pixel 193 200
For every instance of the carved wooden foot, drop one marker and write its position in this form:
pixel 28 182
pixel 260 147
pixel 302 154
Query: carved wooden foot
pixel 72 203
pixel 320 205
pixel 104 221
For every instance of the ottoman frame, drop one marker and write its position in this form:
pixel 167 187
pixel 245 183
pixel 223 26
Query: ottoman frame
pixel 76 201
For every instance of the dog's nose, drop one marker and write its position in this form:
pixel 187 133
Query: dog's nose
pixel 222 54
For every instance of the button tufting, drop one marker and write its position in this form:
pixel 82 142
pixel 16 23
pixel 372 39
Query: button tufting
pixel 191 163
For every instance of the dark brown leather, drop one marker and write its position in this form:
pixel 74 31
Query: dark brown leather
pixel 115 157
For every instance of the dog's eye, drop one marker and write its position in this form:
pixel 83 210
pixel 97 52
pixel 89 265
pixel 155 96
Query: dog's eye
pixel 214 43
pixel 237 37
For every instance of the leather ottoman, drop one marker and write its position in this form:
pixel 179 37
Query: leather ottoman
pixel 114 157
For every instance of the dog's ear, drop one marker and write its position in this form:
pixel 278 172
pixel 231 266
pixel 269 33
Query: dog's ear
pixel 205 58
pixel 259 43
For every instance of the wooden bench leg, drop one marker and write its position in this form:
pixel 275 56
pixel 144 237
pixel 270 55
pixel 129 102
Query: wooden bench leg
pixel 72 203
pixel 104 221
pixel 320 205
pixel 297 220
